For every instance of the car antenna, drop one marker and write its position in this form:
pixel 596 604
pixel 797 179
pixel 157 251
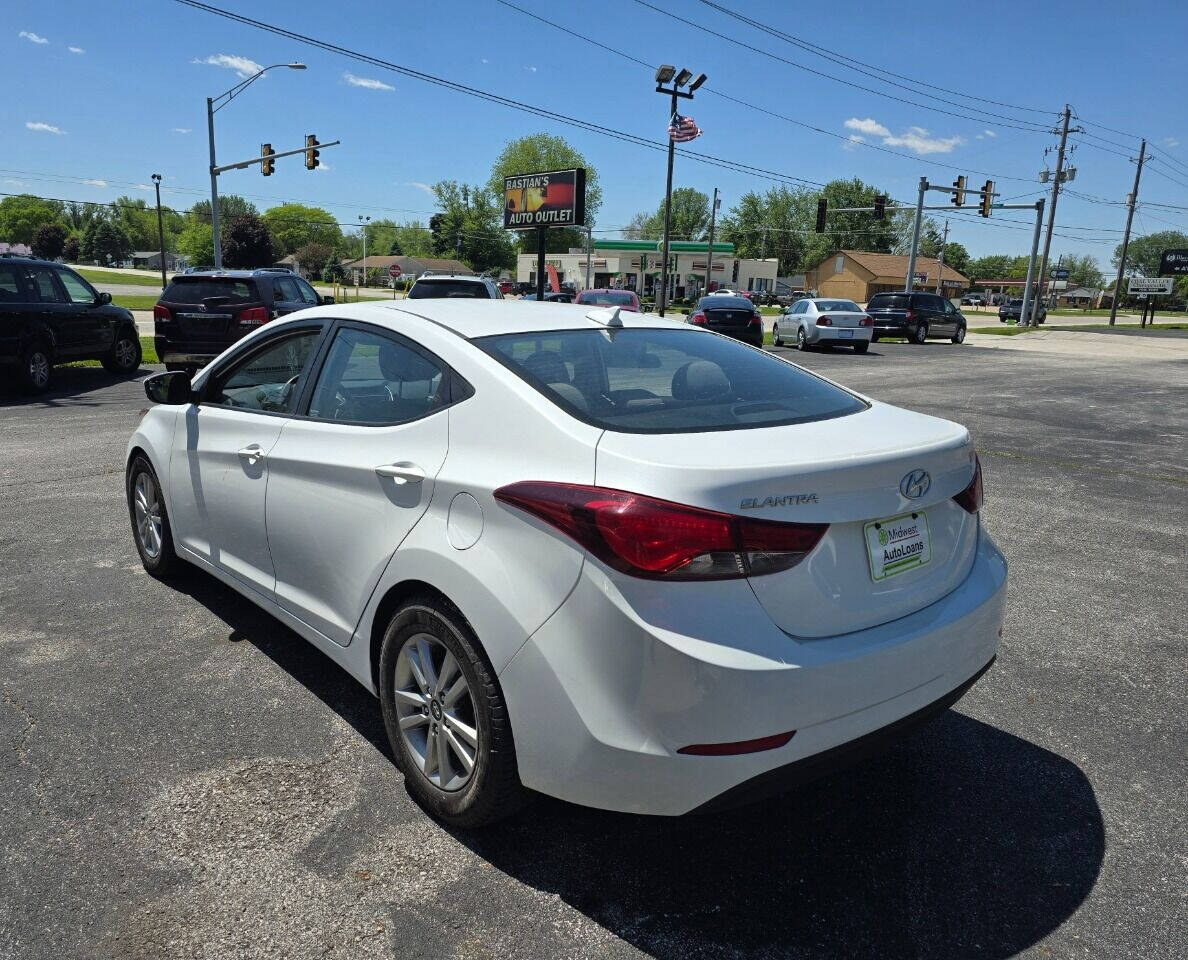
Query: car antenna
pixel 608 318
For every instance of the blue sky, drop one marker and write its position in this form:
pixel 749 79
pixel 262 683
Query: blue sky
pixel 97 92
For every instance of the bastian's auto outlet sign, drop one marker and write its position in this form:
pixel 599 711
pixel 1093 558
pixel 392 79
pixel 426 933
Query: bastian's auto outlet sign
pixel 553 198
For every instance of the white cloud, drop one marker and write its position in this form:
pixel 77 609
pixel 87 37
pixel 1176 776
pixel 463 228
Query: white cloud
pixel 322 167
pixel 852 142
pixel 32 37
pixel 241 65
pixel 76 49
pixel 423 187
pixel 1170 142
pixel 918 140
pixel 13 183
pixel 44 128
pixel 484 60
pixel 181 129
pixel 367 83
pixel 986 135
pixel 530 69
pixel 869 126
pixel 96 183
pixel 142 186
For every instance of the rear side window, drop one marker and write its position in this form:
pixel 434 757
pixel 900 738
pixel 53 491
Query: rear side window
pixel 197 289
pixel 433 289
pixel 894 301
pixel 667 381
pixel 10 284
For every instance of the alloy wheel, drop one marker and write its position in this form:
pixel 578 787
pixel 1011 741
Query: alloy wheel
pixel 147 506
pixel 436 712
pixel 125 353
pixel 775 335
pixel 801 340
pixel 39 369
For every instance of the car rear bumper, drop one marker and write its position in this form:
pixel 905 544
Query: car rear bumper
pixel 604 695
pixel 190 352
pixel 896 328
pixel 838 335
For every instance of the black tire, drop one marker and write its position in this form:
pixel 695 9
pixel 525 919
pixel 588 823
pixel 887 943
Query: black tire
pixel 874 338
pixel 125 355
pixel 37 367
pixel 959 336
pixel 493 790
pixel 775 335
pixel 919 332
pixel 164 562
pixel 801 339
pixel 861 347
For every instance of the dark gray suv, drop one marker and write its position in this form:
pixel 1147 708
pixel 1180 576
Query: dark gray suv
pixel 50 315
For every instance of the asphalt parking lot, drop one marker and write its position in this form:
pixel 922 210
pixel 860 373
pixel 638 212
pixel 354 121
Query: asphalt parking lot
pixel 183 777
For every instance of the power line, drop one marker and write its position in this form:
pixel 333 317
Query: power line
pixel 1031 128
pixel 1167 157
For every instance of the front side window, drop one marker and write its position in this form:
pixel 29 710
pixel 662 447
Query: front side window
pixel 268 380
pixel 307 292
pixel 286 290
pixel 372 379
pixel 77 289
pixel 667 381
pixel 43 283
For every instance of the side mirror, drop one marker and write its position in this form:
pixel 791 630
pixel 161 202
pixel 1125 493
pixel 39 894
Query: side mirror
pixel 326 301
pixel 172 387
pixel 103 299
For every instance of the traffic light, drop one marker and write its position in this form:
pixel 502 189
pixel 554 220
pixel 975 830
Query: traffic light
pixel 822 206
pixel 267 164
pixel 987 198
pixel 880 205
pixel 311 152
pixel 959 196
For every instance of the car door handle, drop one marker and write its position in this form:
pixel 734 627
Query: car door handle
pixel 402 472
pixel 252 453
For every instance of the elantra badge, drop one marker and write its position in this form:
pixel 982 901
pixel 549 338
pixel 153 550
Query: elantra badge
pixel 787 500
pixel 915 484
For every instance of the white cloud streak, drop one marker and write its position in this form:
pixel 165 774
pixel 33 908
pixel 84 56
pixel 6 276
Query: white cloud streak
pixel 367 83
pixel 96 183
pixel 1171 142
pixel 852 142
pixel 423 187
pixel 39 127
pixel 242 66
pixel 181 129
pixel 76 50
pixel 32 37
pixel 868 126
pixel 916 139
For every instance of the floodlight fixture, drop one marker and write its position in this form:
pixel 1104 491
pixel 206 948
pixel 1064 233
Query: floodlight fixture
pixel 665 73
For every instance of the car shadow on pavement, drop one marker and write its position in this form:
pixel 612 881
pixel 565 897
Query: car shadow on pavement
pixel 68 388
pixel 961 840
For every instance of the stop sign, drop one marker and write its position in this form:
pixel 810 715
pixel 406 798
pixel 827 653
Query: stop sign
pixel 394 271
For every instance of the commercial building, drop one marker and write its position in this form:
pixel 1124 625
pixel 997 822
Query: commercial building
pixel 858 276
pixel 635 265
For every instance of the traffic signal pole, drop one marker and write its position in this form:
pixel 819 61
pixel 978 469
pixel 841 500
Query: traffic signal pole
pixel 1028 298
pixel 214 188
pixel 911 268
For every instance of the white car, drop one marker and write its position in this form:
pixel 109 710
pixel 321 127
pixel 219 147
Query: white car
pixel 446 285
pixel 820 321
pixel 601 555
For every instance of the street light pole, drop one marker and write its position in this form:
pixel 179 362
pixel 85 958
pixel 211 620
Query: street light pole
pixel 226 97
pixel 365 220
pixel 666 74
pixel 709 256
pixel 160 228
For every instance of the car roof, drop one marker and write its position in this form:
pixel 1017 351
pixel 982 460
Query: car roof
pixel 452 276
pixel 237 274
pixel 471 318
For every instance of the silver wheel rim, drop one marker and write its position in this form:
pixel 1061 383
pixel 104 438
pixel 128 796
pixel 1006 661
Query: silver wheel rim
pixel 801 339
pixel 147 507
pixel 436 713
pixel 39 368
pixel 125 353
pixel 775 334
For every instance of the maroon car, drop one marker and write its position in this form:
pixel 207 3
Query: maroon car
pixel 610 298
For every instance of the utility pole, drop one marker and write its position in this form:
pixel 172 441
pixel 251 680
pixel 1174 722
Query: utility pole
pixel 941 259
pixel 214 188
pixel 160 228
pixel 364 222
pixel 589 252
pixel 709 254
pixel 907 284
pixel 1051 215
pixel 1130 202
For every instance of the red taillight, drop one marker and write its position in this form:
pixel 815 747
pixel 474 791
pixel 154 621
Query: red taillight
pixel 824 321
pixel 652 538
pixel 253 316
pixel 866 322
pixel 698 318
pixel 971 497
pixel 162 314
pixel 740 746
pixel 756 320
pixel 910 314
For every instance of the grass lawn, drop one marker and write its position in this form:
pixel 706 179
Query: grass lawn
pixel 1128 326
pixel 100 277
pixel 1011 331
pixel 148 353
pixel 135 301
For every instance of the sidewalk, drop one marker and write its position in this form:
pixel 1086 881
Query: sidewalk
pixel 1149 345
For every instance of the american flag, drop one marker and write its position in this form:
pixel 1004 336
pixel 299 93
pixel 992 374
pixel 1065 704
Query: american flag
pixel 682 129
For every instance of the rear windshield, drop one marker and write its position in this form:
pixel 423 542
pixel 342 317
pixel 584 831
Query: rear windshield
pixel 889 300
pixel 611 298
pixel 1016 303
pixel 197 289
pixel 841 306
pixel 667 381
pixel 435 289
pixel 718 302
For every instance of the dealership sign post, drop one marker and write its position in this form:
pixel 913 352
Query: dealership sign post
pixel 537 201
pixel 1150 287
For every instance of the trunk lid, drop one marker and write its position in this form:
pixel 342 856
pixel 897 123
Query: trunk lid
pixel 208 308
pixel 845 472
pixel 728 318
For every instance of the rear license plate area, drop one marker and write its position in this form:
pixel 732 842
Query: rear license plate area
pixel 897 544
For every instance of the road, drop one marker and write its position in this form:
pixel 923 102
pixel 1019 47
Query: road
pixel 184 777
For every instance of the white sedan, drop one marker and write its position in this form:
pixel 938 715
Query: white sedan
pixel 599 555
pixel 818 321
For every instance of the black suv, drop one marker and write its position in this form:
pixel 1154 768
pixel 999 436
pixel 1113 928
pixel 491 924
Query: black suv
pixel 201 314
pixel 1013 309
pixel 49 314
pixel 916 316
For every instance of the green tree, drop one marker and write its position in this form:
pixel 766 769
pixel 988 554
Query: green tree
pixel 637 226
pixel 293 225
pixel 133 216
pixel 1083 270
pixel 196 244
pixel 539 152
pixel 20 217
pixel 313 257
pixel 105 242
pixel 1142 256
pixel 470 227
pixel 957 257
pixel 230 206
pixel 49 241
pixel 332 272
pixel 79 215
pixel 247 243
pixel 992 267
pixel 414 239
pixel 689 217
pixel 70 250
